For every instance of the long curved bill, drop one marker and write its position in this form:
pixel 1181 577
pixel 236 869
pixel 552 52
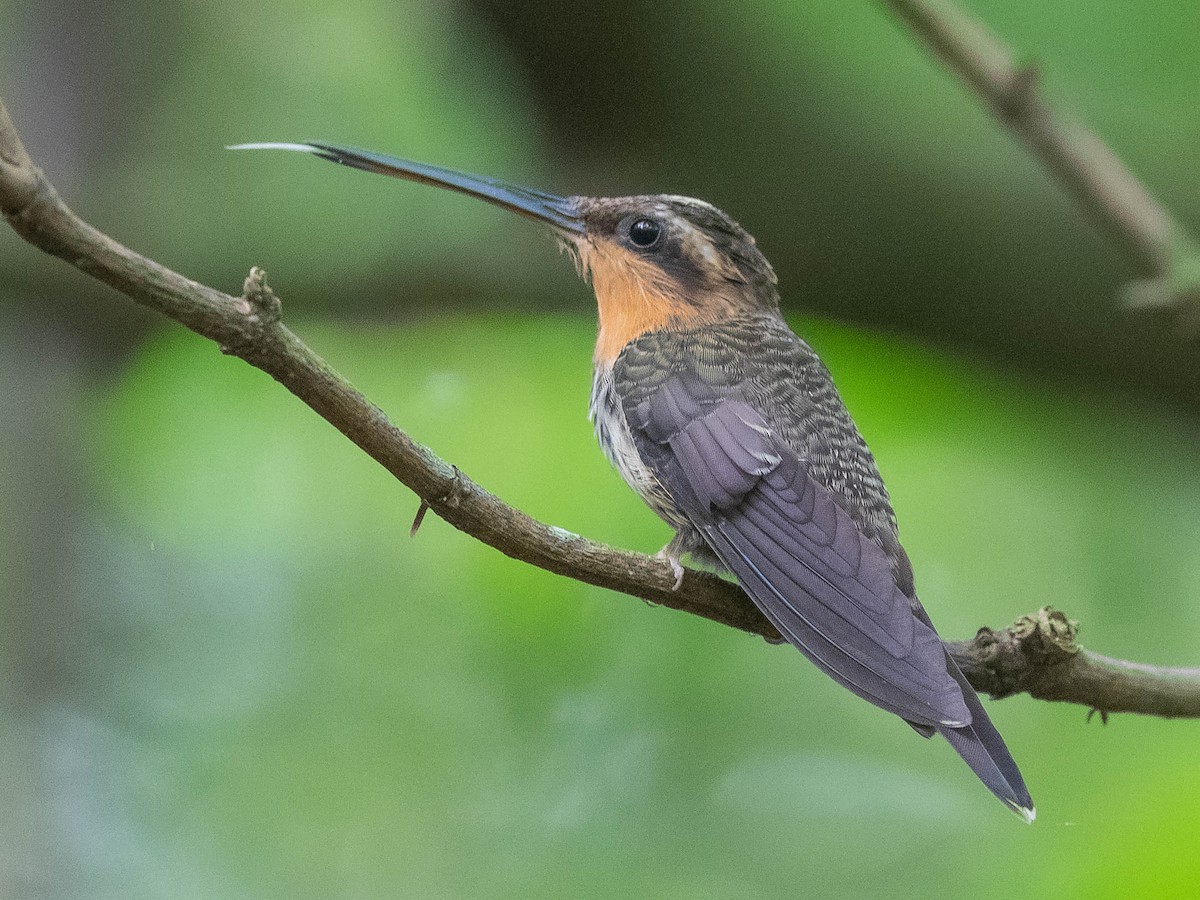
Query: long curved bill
pixel 558 212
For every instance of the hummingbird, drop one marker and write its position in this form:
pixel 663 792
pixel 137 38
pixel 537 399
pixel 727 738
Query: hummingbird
pixel 729 426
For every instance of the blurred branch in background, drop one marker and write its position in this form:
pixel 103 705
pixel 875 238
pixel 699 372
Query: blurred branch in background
pixel 1162 251
pixel 1037 655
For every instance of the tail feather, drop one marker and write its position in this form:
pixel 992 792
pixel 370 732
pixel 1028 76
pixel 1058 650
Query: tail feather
pixel 982 748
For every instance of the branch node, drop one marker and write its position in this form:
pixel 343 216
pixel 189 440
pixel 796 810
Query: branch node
pixel 20 179
pixel 985 637
pixel 459 489
pixel 1176 289
pixel 1019 99
pixel 1103 715
pixel 260 312
pixel 1021 657
pixel 1058 634
pixel 267 307
pixel 20 188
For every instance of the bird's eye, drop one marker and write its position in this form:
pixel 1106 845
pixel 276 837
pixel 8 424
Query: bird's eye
pixel 644 232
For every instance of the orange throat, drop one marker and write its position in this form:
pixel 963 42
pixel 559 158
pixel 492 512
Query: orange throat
pixel 634 296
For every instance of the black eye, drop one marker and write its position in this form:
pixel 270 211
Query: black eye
pixel 644 232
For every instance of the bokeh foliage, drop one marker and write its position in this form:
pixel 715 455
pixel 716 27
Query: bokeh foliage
pixel 228 672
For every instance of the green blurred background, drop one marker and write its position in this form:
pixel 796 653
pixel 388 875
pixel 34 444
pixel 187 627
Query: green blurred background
pixel 227 671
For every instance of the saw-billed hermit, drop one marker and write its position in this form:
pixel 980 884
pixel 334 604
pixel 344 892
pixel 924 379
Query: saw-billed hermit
pixel 729 426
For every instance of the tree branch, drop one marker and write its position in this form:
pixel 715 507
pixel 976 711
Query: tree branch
pixel 249 327
pixel 1038 655
pixel 1163 253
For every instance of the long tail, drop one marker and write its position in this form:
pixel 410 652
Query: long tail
pixel 982 748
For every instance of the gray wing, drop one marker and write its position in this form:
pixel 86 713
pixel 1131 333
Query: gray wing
pixel 828 588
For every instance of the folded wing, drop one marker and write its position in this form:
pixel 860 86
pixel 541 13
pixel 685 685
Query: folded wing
pixel 829 589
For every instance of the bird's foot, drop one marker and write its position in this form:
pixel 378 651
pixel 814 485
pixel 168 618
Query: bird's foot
pixel 671 554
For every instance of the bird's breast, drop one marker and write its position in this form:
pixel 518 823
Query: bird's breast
pixel 612 432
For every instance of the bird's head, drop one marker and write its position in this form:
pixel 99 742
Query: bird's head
pixel 661 261
pixel 656 261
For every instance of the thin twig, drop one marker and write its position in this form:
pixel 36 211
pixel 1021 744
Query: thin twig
pixel 418 519
pixel 1165 256
pixel 249 327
